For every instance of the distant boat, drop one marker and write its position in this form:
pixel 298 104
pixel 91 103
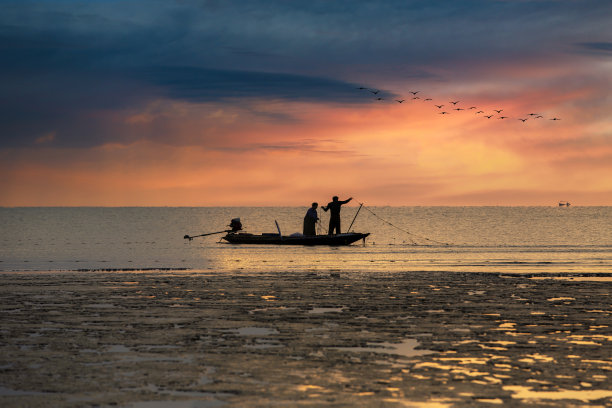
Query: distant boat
pixel 296 239
pixel 564 204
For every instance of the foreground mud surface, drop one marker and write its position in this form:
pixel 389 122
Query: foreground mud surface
pixel 162 339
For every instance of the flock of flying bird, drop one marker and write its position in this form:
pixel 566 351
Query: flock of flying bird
pixel 453 106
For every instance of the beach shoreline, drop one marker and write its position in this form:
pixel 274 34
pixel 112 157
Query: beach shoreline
pixel 325 338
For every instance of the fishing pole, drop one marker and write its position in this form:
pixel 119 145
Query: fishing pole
pixel 359 209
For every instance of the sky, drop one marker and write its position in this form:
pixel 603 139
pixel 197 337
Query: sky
pixel 279 102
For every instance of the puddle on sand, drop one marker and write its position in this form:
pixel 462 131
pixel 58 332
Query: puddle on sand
pixel 200 399
pixel 212 403
pixel 453 369
pixel 432 403
pixel 576 278
pixel 526 393
pixel 8 392
pixel 268 298
pixel 118 348
pixel 254 331
pixel 100 306
pixel 308 387
pixel 272 309
pixel 319 310
pixel 405 349
pixel 264 344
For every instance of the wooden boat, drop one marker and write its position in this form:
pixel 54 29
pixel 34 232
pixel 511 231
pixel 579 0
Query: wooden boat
pixel 277 239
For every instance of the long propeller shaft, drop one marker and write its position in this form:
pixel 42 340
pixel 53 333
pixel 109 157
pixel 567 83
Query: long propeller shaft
pixel 203 235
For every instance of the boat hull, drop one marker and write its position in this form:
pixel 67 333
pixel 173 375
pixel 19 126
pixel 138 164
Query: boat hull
pixel 275 239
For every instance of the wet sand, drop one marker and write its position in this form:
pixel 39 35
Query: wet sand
pixel 337 339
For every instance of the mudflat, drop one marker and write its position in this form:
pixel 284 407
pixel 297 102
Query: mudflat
pixel 338 339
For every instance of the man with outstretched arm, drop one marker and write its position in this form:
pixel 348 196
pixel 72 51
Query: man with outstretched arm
pixel 334 218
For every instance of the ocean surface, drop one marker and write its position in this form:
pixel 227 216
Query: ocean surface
pixel 468 239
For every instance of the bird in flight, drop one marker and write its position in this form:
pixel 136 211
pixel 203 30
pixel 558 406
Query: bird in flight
pixel 454 102
pixel 443 113
pixel 362 87
pixel 374 91
pixel 498 111
pixel 522 120
pixel 539 117
pixel 532 114
pixel 488 116
pixel 458 109
pixel 427 99
pixel 416 97
pixel 399 100
pixel 439 106
pixel 414 92
pixel 472 107
pixel 503 117
pixel 555 119
pixel 380 99
pixel 479 112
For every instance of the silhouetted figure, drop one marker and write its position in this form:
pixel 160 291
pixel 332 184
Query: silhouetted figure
pixel 310 220
pixel 334 218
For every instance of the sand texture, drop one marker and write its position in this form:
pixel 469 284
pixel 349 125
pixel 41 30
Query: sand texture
pixel 337 339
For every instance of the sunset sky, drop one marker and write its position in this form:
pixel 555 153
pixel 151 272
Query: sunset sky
pixel 237 103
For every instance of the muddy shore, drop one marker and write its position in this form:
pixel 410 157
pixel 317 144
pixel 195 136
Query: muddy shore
pixel 337 339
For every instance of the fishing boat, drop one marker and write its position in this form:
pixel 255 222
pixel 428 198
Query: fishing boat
pixel 235 236
pixel 295 239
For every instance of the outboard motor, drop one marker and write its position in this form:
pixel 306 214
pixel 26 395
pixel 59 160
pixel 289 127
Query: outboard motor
pixel 235 225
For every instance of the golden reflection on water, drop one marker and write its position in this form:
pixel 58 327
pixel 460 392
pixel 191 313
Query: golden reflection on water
pixel 432 403
pixel 406 348
pixel 452 369
pixel 269 298
pixel 527 393
pixel 308 387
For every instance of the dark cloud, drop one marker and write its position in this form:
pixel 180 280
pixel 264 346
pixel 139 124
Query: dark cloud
pixel 205 85
pixel 603 48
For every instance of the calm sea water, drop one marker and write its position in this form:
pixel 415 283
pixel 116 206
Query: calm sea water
pixel 479 239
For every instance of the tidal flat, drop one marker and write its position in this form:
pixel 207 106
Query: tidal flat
pixel 334 338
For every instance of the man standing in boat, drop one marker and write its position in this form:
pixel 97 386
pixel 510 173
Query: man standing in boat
pixel 334 218
pixel 310 220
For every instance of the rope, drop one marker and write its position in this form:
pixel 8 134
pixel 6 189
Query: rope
pixel 320 227
pixel 410 234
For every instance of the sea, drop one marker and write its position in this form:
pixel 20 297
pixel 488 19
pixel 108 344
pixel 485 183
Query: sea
pixel 541 240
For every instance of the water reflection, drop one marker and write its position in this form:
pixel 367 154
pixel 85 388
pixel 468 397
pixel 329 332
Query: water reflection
pixel 527 393
pixel 406 348
pixel 500 239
